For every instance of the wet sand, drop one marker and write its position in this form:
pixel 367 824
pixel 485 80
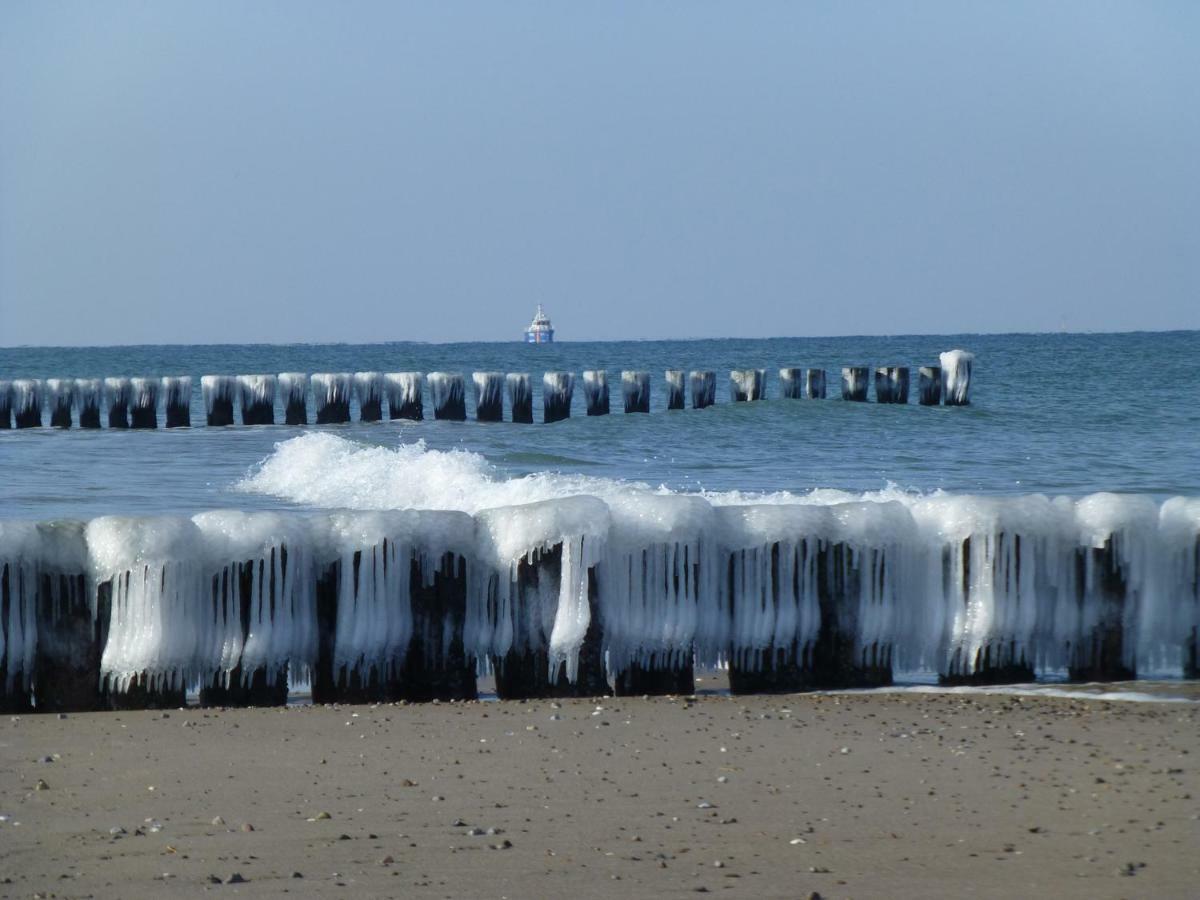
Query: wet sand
pixel 856 795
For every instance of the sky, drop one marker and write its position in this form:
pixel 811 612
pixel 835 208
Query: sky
pixel 285 172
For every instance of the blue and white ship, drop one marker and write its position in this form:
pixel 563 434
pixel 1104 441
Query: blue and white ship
pixel 540 331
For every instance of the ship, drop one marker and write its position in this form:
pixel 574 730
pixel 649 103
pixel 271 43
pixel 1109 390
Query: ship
pixel 540 331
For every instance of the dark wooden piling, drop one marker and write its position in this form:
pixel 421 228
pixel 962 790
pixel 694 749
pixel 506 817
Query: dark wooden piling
pixel 258 399
pixel 5 405
pixel 814 384
pixel 61 394
pixel 331 397
pixel 67 670
pixel 1099 653
pixel 143 691
pixel 368 389
pixel 27 403
pixel 791 383
pixel 930 385
pixel 177 401
pixel 293 388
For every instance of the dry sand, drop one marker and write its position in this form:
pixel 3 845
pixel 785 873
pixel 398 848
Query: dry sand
pixel 856 795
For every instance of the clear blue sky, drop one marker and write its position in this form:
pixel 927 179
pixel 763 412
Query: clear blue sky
pixel 289 171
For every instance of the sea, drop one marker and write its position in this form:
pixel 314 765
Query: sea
pixel 1058 414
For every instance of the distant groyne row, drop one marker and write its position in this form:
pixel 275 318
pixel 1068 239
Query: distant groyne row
pixel 332 396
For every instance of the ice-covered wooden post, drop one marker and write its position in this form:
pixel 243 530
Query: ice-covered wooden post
pixel 930 379
pixel 891 384
pixel 791 383
pixel 956 377
pixel 448 394
pixel 258 399
pixel 27 402
pixel 704 389
pixel 557 389
pixel 5 405
pixel 747 385
pixel 88 399
pixel 854 383
pixel 177 401
pixel 814 384
pixel 293 388
pixel 331 397
pixel 489 396
pixel 61 392
pixel 368 388
pixel 595 392
pixel 218 392
pixel 674 379
pixel 635 389
pixel 143 407
pixel 405 395
pixel 520 397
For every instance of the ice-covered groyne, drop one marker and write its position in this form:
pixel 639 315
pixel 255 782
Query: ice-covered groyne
pixel 136 401
pixel 571 594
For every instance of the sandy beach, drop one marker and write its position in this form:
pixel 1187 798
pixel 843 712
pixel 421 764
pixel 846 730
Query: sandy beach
pixel 852 795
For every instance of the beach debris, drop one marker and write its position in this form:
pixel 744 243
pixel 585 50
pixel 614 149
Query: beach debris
pixel 246 826
pixel 321 817
pixel 217 820
pixel 41 786
pixel 236 878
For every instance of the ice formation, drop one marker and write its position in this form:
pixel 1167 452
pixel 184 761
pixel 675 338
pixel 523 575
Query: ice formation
pixel 489 396
pixel 814 384
pixel 635 388
pixel 956 376
pixel 404 390
pixel 595 392
pixel 448 396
